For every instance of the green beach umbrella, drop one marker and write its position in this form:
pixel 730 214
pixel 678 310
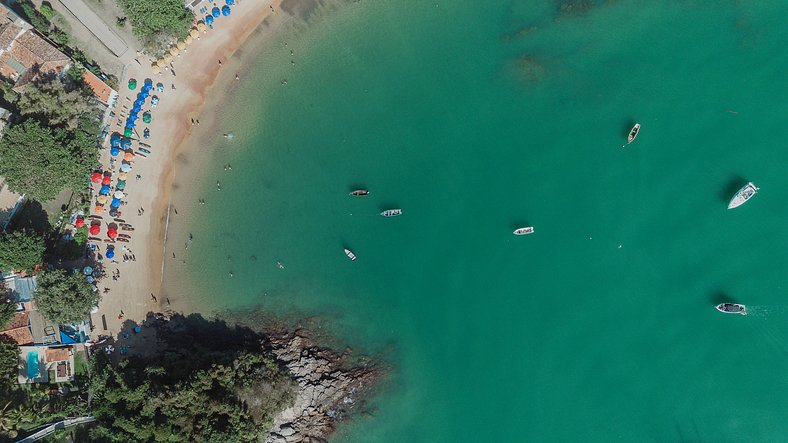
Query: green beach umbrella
pixel 127 132
pixel 146 117
pixel 121 185
pixel 132 84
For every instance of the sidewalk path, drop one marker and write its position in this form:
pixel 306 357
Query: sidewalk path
pixel 97 27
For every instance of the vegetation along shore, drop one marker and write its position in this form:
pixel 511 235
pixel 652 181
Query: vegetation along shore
pixel 98 101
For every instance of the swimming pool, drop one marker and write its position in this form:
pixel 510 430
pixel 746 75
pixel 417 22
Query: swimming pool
pixel 32 365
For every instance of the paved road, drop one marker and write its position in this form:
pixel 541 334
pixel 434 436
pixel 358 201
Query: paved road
pixel 97 27
pixel 54 427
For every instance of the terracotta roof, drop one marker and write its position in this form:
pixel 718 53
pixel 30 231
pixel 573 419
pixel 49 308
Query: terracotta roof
pixel 59 354
pixel 18 330
pixel 101 89
pixel 23 53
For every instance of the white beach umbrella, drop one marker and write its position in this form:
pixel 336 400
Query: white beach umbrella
pixel 119 194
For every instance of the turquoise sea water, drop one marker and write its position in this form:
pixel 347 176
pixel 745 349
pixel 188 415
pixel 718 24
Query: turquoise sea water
pixel 600 326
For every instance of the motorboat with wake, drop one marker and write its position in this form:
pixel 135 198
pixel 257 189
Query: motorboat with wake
pixel 391 212
pixel 350 254
pixel 633 133
pixel 524 231
pixel 742 195
pixel 732 308
pixel 360 192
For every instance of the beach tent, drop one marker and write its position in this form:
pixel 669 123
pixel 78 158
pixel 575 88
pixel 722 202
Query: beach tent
pixel 225 11
pixel 88 270
pixel 115 203
pixel 200 27
pixel 189 39
pixel 102 199
pixel 209 19
pixel 106 180
pixel 181 45
pixel 155 69
pixel 215 12
pixel 80 222
pixel 129 156
pixel 132 84
pixel 122 176
pixel 104 190
pixel 120 185
pixel 110 253
pixel 95 229
pixel 167 57
pixel 95 177
pixel 119 194
pixel 174 51
pixel 229 2
pixel 125 167
pixel 146 117
pixel 112 232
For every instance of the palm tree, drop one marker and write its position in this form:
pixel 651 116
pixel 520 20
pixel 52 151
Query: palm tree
pixel 6 422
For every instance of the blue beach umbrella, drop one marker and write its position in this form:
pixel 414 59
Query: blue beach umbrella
pixel 125 143
pixel 104 190
pixel 114 143
pixel 216 12
pixel 225 11
pixel 88 270
pixel 209 20
pixel 229 2
pixel 110 253
pixel 125 167
pixel 133 117
pixel 89 279
pixel 114 151
pixel 114 139
pixel 115 203
pixel 148 83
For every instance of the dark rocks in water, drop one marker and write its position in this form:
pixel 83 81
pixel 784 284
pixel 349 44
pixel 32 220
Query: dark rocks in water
pixel 522 32
pixel 331 386
pixel 575 7
pixel 530 70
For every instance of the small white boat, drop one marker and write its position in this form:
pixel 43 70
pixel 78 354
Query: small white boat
pixel 360 192
pixel 391 212
pixel 350 254
pixel 744 194
pixel 633 133
pixel 523 231
pixel 732 308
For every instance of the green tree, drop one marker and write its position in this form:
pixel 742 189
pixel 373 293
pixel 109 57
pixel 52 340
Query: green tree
pixel 64 297
pixel 7 311
pixel 50 101
pixel 20 250
pixel 9 361
pixel 155 21
pixel 41 162
pixel 47 11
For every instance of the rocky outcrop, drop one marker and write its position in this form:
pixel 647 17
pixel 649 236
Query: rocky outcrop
pixel 330 387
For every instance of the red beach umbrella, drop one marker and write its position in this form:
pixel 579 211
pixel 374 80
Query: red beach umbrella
pixel 95 229
pixel 112 232
pixel 106 180
pixel 96 177
pixel 80 222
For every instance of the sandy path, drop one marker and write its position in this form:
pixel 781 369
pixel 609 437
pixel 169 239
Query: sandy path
pixel 135 293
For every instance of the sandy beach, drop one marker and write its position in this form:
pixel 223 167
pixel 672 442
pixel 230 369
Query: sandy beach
pixel 201 73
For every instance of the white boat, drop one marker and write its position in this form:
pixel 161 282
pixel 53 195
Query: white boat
pixel 744 194
pixel 391 212
pixel 633 133
pixel 732 308
pixel 523 231
pixel 350 254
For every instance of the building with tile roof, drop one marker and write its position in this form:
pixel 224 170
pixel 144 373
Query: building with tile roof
pixel 25 55
pixel 19 329
pixel 101 90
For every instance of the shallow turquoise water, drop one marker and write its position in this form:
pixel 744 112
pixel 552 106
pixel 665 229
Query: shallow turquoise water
pixel 598 327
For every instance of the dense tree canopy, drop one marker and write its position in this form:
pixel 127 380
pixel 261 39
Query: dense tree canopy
pixel 20 251
pixel 50 102
pixel 155 21
pixel 206 382
pixel 41 162
pixel 7 311
pixel 64 297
